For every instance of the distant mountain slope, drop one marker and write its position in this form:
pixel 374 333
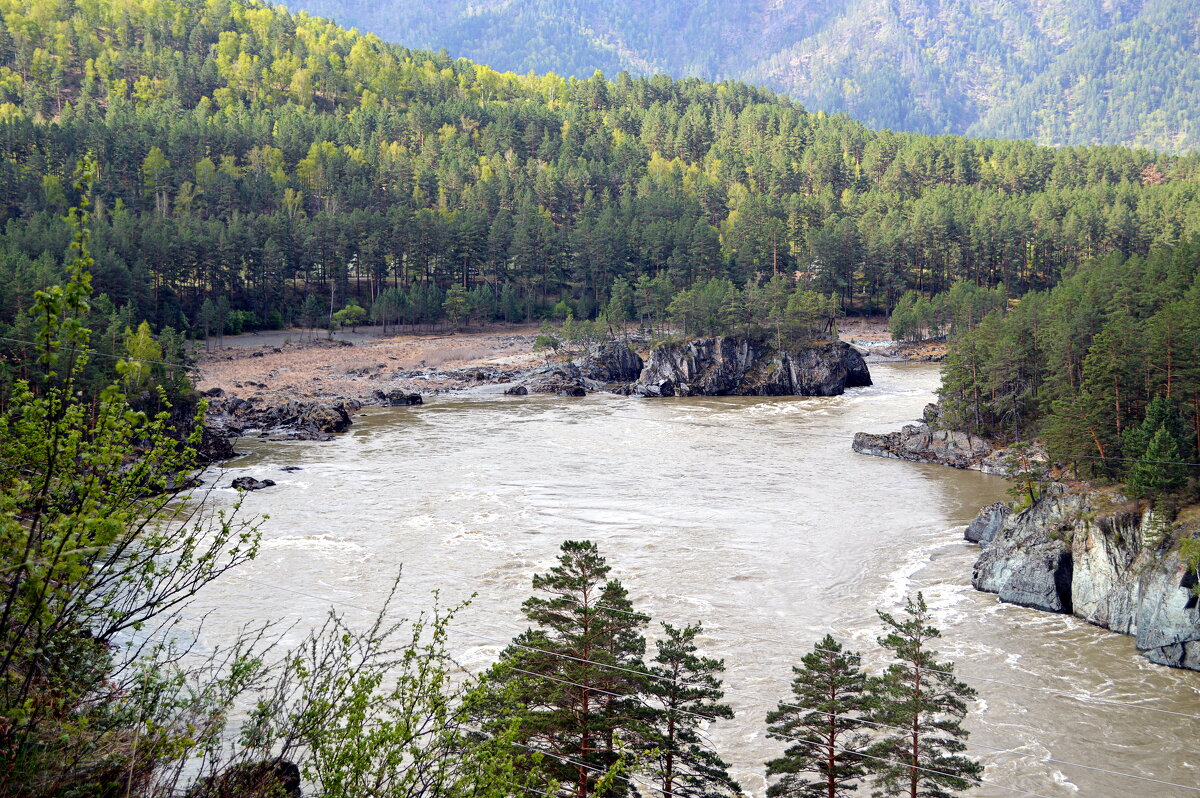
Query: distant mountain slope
pixel 1056 71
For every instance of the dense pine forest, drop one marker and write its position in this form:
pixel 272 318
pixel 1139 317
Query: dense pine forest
pixel 1057 72
pixel 1105 367
pixel 259 168
pixel 251 158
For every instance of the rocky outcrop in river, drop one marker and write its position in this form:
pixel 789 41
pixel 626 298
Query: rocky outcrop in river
pixel 397 398
pixel 1094 556
pixel 611 361
pixel 920 443
pixel 928 442
pixel 734 366
pixel 924 442
pixel 233 416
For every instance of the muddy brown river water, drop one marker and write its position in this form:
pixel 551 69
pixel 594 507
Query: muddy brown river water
pixel 751 515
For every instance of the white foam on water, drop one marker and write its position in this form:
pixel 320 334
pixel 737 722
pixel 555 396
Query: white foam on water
pixel 1062 780
pixel 318 543
pixel 481 538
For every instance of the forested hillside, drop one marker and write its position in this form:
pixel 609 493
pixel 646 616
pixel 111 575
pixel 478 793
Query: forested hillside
pixel 1105 368
pixel 251 160
pixel 1059 72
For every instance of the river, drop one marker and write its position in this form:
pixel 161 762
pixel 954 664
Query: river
pixel 751 515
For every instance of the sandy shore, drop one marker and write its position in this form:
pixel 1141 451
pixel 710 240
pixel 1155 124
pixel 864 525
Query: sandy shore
pixel 276 367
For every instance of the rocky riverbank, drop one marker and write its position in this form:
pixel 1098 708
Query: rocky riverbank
pixel 1095 555
pixel 296 387
pixel 1080 551
pixel 927 442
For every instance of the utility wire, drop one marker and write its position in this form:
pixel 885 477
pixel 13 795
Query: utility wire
pixel 994 749
pixel 661 677
pixel 811 434
pixel 957 674
pixel 808 433
pixel 98 353
pixel 974 779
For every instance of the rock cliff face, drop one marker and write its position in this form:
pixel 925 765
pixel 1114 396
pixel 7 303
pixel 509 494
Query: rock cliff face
pixel 732 366
pixel 1073 553
pixel 611 361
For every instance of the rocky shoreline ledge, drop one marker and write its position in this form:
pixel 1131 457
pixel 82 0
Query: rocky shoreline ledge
pixel 1076 550
pixel 1093 554
pixel 925 442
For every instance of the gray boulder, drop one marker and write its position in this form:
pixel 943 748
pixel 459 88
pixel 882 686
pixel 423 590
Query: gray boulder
pixel 398 398
pixel 318 421
pixel 561 379
pixel 276 778
pixel 250 483
pixel 987 523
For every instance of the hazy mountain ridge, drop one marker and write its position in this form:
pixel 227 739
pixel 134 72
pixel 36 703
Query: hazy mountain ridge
pixel 1057 72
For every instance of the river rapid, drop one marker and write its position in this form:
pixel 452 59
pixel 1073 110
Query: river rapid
pixel 751 515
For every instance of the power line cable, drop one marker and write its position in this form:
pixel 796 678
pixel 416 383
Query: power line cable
pixel 97 352
pixel 974 779
pixel 994 749
pixel 809 433
pixel 957 674
pixel 710 719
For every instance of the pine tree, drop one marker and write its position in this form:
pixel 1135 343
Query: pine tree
pixel 686 692
pixel 577 674
pixel 311 312
pixel 457 304
pixel 924 704
pixel 822 720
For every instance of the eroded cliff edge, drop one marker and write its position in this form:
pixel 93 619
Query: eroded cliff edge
pixel 737 366
pixel 1092 554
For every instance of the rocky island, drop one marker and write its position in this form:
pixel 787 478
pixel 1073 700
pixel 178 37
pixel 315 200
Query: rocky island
pixel 311 392
pixel 739 366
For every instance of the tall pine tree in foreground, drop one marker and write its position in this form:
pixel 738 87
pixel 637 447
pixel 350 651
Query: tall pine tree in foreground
pixel 686 692
pixel 577 673
pixel 822 720
pixel 924 704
